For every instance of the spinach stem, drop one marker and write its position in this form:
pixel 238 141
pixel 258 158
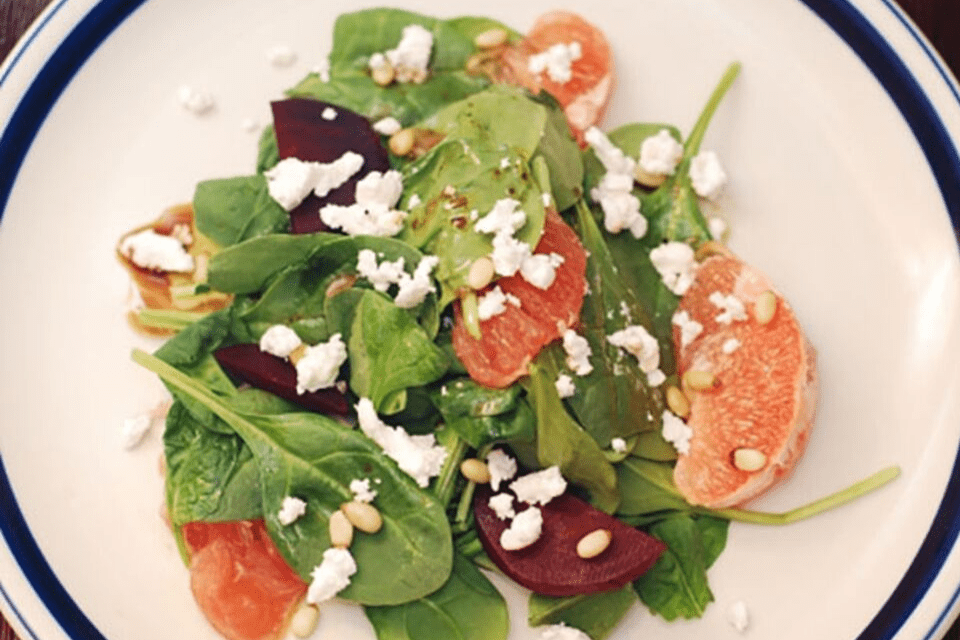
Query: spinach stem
pixel 168 318
pixel 816 507
pixel 447 480
pixel 692 146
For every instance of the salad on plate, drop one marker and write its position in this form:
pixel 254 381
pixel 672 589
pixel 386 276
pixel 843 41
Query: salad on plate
pixel 448 326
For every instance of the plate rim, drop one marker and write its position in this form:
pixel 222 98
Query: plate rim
pixel 74 36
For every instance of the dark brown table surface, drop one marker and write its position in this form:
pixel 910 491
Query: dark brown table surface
pixel 938 19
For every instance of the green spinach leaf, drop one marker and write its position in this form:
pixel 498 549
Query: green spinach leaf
pixel 231 210
pixel 596 614
pixel 481 415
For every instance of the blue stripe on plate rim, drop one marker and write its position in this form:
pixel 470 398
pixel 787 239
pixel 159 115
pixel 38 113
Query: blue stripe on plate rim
pixel 845 20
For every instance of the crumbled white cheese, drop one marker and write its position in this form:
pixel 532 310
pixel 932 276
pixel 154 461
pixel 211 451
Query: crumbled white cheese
pixel 557 61
pixel 676 432
pixel 509 254
pixel 660 154
pixel 502 467
pixel 738 616
pixel 329 114
pixel 413 202
pixel 675 263
pixel 562 632
pixel 730 345
pixel 717 227
pixel 290 510
pixel 656 378
pixel 381 275
pixel 707 175
pixel 281 55
pixel 731 307
pixel 291 180
pixel 578 352
pixel 637 341
pixel 373 213
pixel 362 491
pixel 412 290
pixel 331 576
pixel 614 193
pixel 565 386
pixel 387 126
pixel 195 101
pixel 689 328
pixel 494 302
pixel 619 445
pixel 503 218
pixel 523 531
pixel 135 430
pixel 151 250
pixel 539 487
pixel 318 367
pixel 280 340
pixel 418 455
pixel 411 58
pixel 323 70
pixel 540 269
pixel 502 505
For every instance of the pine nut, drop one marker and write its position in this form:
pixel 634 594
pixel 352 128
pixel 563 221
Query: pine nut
pixel 491 38
pixel 710 248
pixel 340 284
pixel 647 179
pixel 747 459
pixel 699 380
pixel 304 621
pixel 594 543
pixel 475 470
pixel 401 143
pixel 481 273
pixel 341 531
pixel 765 307
pixel 297 353
pixel 201 268
pixel 363 516
pixel 677 402
pixel 383 74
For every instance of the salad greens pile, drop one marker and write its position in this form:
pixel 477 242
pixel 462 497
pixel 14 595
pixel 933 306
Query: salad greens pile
pixel 234 452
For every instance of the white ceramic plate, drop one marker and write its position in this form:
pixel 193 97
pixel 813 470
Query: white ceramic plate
pixel 840 137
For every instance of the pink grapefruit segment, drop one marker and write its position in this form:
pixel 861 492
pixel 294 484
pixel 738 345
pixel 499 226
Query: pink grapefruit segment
pixel 238 578
pixel 585 95
pixel 765 394
pixel 510 340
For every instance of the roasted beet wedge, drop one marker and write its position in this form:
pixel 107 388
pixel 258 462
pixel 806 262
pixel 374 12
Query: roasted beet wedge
pixel 273 374
pixel 551 566
pixel 303 132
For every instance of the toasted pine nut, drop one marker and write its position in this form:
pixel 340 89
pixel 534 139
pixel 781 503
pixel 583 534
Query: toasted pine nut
pixel 383 74
pixel 594 543
pixel 677 401
pixel 201 267
pixel 710 248
pixel 481 273
pixel 747 459
pixel 304 621
pixel 765 307
pixel 475 470
pixel 341 531
pixel 340 284
pixel 363 516
pixel 401 143
pixel 647 179
pixel 699 380
pixel 297 353
pixel 491 38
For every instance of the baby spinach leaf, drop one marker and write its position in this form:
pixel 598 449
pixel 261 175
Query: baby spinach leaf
pixel 467 607
pixel 315 458
pixel 249 266
pixel 596 614
pixel 647 487
pixel 211 475
pixel 615 399
pixel 562 155
pixel 268 152
pixel 482 415
pixel 563 442
pixel 231 210
pixel 676 587
pixel 389 352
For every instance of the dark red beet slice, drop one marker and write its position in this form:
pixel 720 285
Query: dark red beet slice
pixel 273 374
pixel 302 132
pixel 550 565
